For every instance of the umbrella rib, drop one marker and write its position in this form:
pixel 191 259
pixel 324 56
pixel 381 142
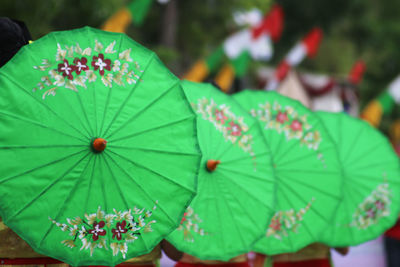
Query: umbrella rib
pixel 38 146
pixel 246 157
pixel 245 190
pixel 348 212
pixel 152 129
pixel 47 188
pixel 289 148
pixel 219 217
pixel 116 182
pixel 90 184
pixel 137 114
pixel 127 98
pixel 222 167
pixel 95 111
pixel 152 171
pixel 311 154
pixel 42 166
pixel 46 107
pixel 366 165
pixel 65 202
pixel 147 194
pixel 392 181
pixel 108 99
pixel 244 208
pixel 299 196
pixel 222 188
pixel 310 185
pixel 310 171
pixel 155 150
pixel 41 125
pixel 304 225
pixel 105 110
pixel 103 189
pixel 359 184
pixel 84 113
pixel 334 229
pixel 367 152
pixel 268 141
pixel 357 136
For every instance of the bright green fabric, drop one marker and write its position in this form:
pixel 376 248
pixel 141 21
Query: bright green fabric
pixel 214 60
pixel 139 10
pixel 307 169
pixel 371 169
pixel 49 175
pixel 386 101
pixel 235 202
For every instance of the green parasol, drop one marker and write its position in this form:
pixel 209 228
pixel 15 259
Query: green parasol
pixel 96 136
pixel 236 188
pixel 371 169
pixel 307 169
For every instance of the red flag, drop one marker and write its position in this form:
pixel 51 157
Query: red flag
pixel 272 24
pixel 357 72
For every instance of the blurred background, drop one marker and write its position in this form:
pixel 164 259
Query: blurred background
pixel 183 31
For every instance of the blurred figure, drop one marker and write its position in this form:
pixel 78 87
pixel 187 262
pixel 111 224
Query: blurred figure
pixel 152 259
pixel 314 255
pixel 14 35
pixel 190 261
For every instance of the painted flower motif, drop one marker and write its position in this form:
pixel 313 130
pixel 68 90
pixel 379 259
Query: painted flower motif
pixel 370 213
pixel 379 205
pixel 119 230
pixel 80 65
pixel 219 116
pixel 190 225
pixel 282 117
pixel 184 217
pixel 275 224
pixel 97 231
pixel 99 63
pixel 296 125
pixel 235 129
pixel 66 69
pixel 287 221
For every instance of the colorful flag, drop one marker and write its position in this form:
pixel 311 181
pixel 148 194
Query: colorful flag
pixel 383 104
pixel 251 43
pixel 308 47
pixel 134 12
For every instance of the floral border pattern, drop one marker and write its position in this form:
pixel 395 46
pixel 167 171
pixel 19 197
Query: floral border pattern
pixel 232 127
pixel 375 206
pixel 75 67
pixel 286 120
pixel 190 224
pixel 287 221
pixel 121 227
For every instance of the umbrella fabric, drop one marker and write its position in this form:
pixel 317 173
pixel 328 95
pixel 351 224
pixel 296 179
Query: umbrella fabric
pixel 236 195
pixel 371 170
pixel 307 170
pixel 66 191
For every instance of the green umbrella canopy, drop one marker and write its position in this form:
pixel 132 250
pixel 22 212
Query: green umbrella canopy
pixel 307 170
pixel 371 170
pixel 236 190
pixel 96 136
